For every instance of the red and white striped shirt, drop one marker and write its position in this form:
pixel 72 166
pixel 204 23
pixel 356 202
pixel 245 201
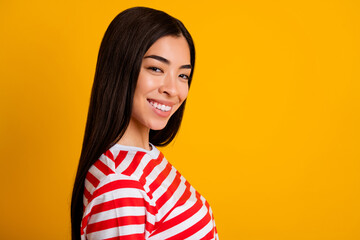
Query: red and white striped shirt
pixel 132 193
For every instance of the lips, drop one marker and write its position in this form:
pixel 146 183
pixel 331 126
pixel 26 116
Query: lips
pixel 160 105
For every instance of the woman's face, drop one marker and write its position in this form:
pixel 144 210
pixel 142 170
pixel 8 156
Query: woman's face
pixel 162 84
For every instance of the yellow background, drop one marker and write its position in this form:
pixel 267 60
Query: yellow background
pixel 271 132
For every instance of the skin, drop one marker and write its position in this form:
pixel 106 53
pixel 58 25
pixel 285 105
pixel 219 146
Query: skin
pixel 163 79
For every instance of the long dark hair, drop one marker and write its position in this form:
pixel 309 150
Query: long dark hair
pixel 124 44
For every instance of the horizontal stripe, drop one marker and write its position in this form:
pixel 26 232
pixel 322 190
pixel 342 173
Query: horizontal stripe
pixel 118 203
pixel 116 231
pixel 117 184
pixel 139 236
pixel 115 222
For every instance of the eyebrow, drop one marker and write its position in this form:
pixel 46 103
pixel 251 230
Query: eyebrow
pixel 164 60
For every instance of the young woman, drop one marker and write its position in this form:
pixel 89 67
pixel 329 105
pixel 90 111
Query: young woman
pixel 124 187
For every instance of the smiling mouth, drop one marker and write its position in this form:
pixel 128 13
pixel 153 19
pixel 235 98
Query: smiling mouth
pixel 159 106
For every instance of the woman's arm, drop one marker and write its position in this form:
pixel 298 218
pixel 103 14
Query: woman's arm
pixel 116 209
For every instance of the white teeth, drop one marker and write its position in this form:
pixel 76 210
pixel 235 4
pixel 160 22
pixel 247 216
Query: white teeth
pixel 161 107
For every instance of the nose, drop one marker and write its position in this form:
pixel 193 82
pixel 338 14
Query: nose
pixel 169 85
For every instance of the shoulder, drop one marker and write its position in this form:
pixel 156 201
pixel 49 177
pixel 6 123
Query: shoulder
pixel 112 186
pixel 117 201
pixel 120 167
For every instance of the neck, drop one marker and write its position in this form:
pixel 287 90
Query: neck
pixel 136 135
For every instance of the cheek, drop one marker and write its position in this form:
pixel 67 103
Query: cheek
pixel 141 85
pixel 184 92
pixel 145 82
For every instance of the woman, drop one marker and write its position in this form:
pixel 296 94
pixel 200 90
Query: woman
pixel 124 187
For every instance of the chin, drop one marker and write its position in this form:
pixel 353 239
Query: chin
pixel 158 126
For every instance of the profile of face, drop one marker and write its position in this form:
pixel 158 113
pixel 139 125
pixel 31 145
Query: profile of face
pixel 162 84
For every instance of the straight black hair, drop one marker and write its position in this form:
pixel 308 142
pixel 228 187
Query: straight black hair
pixel 125 42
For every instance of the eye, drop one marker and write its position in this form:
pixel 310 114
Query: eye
pixel 184 76
pixel 155 69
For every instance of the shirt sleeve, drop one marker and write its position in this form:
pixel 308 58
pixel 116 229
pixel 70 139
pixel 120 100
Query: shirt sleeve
pixel 117 209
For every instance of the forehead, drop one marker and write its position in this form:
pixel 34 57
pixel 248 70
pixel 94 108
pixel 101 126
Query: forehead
pixel 175 49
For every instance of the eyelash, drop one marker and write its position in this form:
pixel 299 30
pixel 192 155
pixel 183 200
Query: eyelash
pixel 184 76
pixel 156 69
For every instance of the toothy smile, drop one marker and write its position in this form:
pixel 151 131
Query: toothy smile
pixel 159 106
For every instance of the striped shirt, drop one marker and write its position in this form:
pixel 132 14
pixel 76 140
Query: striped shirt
pixel 133 193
